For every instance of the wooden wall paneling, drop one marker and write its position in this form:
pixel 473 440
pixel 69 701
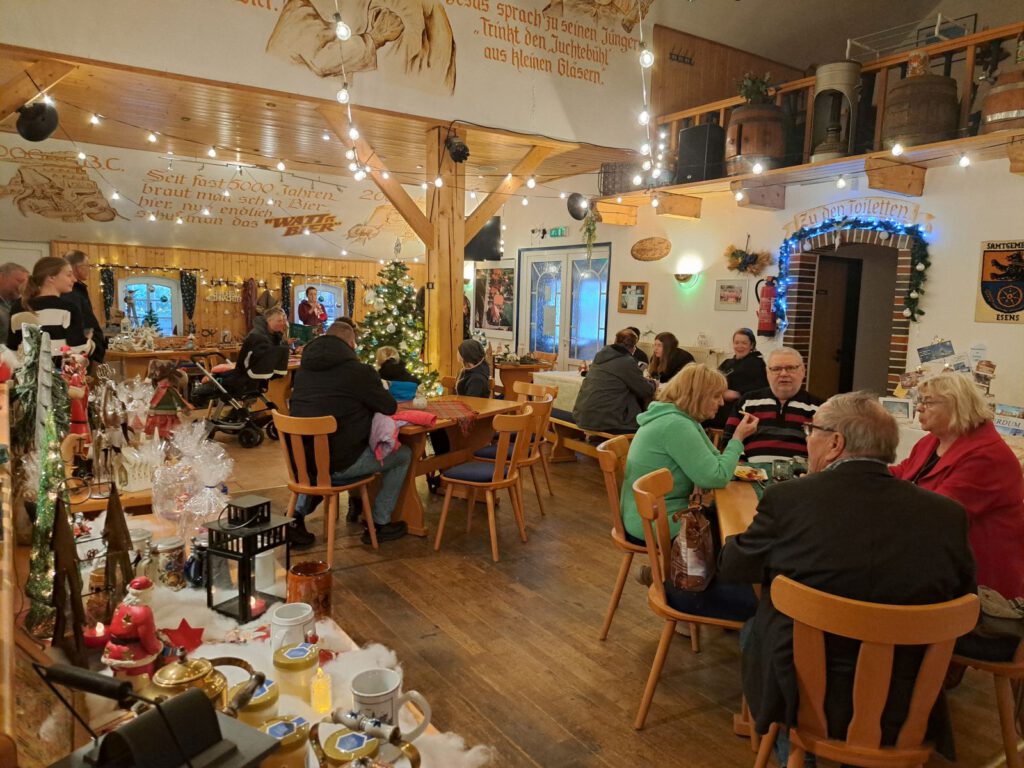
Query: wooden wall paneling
pixel 715 69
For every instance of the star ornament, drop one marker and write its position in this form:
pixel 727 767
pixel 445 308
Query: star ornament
pixel 185 636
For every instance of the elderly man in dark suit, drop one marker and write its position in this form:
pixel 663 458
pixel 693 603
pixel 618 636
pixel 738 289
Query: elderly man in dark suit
pixel 851 529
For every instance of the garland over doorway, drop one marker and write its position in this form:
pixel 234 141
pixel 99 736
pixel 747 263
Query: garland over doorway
pixel 920 260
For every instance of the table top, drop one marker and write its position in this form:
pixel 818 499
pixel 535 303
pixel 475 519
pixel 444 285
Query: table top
pixel 484 407
pixel 560 375
pixel 737 505
pixel 170 353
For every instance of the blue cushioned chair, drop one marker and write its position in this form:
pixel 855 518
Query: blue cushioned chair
pixel 502 473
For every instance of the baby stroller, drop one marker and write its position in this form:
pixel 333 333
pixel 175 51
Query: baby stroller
pixel 234 415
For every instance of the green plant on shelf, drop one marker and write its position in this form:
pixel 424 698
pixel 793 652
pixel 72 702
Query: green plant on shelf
pixel 755 89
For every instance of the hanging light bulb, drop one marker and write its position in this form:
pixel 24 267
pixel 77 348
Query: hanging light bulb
pixel 206 211
pixel 647 165
pixel 964 161
pixel 81 155
pixel 47 100
pixel 757 169
pixel 326 136
pixel 646 57
pixel 656 173
pixel 211 152
pixel 738 196
pixel 385 175
pixel 584 205
pixel 353 133
pixel 151 138
pixel 472 195
pixel 344 252
pixel 531 182
pixel 270 201
pixel 562 195
pixel 637 180
pixel 343 95
pixel 645 149
pixel 280 165
pixel 526 201
pixel 897 149
pixel 152 217
pixel 353 166
pixel 305 231
pixel 841 182
pixel 644 117
pixel 114 195
pixel 655 202
pixel 341 29
pixel 618 199
pixel 438 182
pixel 359 175
pixel 661 146
pixel 423 185
pixel 226 193
pixel 350 154
pixel 179 220
pixel 94 120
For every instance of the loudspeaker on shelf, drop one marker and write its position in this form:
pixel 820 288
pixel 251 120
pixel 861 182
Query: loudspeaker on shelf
pixel 701 153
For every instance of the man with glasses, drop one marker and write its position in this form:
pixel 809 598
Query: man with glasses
pixel 850 529
pixel 781 410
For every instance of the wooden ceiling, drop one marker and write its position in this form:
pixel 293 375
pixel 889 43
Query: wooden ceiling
pixel 262 127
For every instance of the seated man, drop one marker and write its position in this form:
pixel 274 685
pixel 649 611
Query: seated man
pixel 331 381
pixel 851 529
pixel 614 391
pixel 781 410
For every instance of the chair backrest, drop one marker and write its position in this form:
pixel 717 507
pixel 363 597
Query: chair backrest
pixel 548 358
pixel 506 425
pixel 611 456
pixel 448 382
pixel 541 407
pixel 294 433
pixel 649 492
pixel 880 628
pixel 715 436
pixel 527 391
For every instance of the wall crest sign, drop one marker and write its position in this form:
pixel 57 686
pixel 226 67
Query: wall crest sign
pixel 1000 297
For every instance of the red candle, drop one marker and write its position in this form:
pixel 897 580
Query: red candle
pixel 257 606
pixel 96 637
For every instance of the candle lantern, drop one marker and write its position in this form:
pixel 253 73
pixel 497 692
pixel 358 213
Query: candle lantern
pixel 231 586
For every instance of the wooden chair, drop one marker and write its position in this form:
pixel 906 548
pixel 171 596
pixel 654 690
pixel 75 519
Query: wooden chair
pixel 880 628
pixel 716 436
pixel 1006 675
pixel 294 432
pixel 534 441
pixel 548 358
pixel 611 455
pixel 489 477
pixel 527 392
pixel 650 491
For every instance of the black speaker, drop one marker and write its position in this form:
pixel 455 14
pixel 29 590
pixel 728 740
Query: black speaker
pixel 701 153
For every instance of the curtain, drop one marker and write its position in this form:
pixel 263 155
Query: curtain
pixel 350 297
pixel 187 280
pixel 286 294
pixel 249 303
pixel 107 289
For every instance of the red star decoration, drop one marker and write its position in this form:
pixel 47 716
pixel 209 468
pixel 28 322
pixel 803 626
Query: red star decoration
pixel 185 636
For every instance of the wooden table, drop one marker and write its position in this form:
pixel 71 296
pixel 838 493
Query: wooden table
pixel 409 507
pixel 568 383
pixel 510 374
pixel 737 505
pixel 137 363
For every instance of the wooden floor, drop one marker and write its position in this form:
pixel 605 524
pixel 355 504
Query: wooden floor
pixel 508 654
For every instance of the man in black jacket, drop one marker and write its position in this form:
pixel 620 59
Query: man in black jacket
pixel 850 529
pixel 79 296
pixel 331 381
pixel 263 356
pixel 614 391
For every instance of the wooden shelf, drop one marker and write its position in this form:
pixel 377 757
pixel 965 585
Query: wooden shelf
pixel 892 173
pixel 128 501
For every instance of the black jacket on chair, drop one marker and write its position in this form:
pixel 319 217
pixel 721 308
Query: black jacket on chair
pixel 331 381
pixel 857 532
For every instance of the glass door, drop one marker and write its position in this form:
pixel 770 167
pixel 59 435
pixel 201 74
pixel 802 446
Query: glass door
pixel 568 303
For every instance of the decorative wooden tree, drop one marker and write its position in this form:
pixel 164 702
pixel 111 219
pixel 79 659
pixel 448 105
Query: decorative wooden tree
pixel 67 589
pixel 119 571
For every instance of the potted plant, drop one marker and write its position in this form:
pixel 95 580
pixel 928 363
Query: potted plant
pixel 755 140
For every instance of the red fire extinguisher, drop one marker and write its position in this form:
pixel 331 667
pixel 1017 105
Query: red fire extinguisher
pixel 766 307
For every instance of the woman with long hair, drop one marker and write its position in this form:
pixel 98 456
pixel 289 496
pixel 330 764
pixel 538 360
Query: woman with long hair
pixel 668 358
pixel 745 372
pixel 41 304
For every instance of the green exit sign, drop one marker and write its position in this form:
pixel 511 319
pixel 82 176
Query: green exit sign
pixel 557 232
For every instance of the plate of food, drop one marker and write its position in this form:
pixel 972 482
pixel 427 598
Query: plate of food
pixel 750 474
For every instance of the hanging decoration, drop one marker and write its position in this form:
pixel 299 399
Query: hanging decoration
pixel 107 289
pixel 350 296
pixel 286 294
pixel 747 261
pixel 394 322
pixel 187 280
pixel 920 260
pixel 249 310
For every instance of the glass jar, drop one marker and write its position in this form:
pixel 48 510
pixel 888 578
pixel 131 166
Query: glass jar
pixel 169 562
pixel 292 734
pixel 294 666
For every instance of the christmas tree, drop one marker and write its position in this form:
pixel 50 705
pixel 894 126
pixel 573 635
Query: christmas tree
pixel 150 319
pixel 394 321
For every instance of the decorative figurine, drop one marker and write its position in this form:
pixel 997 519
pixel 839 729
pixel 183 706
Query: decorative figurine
pixel 167 403
pixel 134 644
pixel 75 372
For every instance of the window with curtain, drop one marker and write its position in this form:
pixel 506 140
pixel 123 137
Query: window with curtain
pixel 331 296
pixel 160 295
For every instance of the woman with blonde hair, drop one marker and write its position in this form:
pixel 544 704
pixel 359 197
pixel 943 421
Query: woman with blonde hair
pixel 391 367
pixel 671 437
pixel 965 458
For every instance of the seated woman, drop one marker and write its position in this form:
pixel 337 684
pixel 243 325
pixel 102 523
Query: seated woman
pixel 671 437
pixel 745 372
pixel 668 358
pixel 474 380
pixel 963 457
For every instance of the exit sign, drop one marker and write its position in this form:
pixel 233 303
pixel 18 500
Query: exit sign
pixel 557 232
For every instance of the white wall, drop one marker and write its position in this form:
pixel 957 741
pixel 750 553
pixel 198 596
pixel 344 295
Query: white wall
pixel 22 252
pixel 982 202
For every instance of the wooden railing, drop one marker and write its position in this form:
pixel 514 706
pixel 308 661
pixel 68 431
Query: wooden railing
pixel 801 92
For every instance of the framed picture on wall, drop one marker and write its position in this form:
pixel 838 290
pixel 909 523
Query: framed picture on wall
pixel 633 298
pixel 494 300
pixel 731 295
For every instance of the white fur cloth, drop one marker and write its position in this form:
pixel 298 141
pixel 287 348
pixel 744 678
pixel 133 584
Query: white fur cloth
pixel 438 750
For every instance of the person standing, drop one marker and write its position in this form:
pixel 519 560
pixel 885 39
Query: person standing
pixel 13 278
pixel 41 304
pixel 312 312
pixel 79 296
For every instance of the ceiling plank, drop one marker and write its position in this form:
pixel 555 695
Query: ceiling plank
pixel 38 78
pixel 389 185
pixel 508 187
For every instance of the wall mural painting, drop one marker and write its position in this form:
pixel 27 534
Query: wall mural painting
pixel 56 186
pixel 386 220
pixel 416 33
pixel 625 12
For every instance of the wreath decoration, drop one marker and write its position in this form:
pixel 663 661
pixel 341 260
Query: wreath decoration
pixel 747 261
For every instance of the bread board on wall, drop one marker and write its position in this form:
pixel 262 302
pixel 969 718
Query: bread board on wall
pixel 651 249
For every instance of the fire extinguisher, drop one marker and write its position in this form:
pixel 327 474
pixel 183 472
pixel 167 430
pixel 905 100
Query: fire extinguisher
pixel 766 307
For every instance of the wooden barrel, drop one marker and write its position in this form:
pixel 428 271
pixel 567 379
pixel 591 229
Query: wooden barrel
pixel 1004 105
pixel 756 134
pixel 920 110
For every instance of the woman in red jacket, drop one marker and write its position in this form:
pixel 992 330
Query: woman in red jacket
pixel 964 458
pixel 311 310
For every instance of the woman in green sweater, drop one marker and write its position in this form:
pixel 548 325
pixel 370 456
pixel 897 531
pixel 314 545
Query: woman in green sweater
pixel 671 437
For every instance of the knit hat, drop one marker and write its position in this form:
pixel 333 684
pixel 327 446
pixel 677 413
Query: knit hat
pixel 471 351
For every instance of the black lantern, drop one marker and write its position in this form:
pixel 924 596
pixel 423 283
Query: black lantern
pixel 241 543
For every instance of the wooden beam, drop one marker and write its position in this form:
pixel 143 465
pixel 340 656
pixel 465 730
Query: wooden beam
pixel 508 187
pixel 445 254
pixel 1015 151
pixel 765 198
pixel 901 178
pixel 337 119
pixel 621 215
pixel 21 89
pixel 678 206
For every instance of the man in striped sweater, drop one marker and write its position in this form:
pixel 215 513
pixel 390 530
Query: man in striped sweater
pixel 781 410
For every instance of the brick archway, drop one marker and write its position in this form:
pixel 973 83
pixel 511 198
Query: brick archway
pixel 803 278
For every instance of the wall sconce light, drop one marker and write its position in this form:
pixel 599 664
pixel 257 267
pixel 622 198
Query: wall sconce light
pixel 688 269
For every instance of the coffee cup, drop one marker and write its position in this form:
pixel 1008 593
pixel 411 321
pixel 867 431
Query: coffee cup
pixel 378 693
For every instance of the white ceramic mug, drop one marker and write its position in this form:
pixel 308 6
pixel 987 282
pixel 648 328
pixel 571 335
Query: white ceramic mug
pixel 289 624
pixel 378 693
